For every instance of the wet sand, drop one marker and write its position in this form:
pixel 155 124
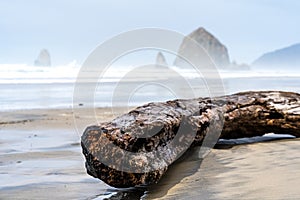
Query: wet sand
pixel 267 170
pixel 40 158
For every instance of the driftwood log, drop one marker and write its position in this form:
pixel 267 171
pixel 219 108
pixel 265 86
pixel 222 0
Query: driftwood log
pixel 137 148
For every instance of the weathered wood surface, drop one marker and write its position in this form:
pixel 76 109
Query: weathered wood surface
pixel 152 127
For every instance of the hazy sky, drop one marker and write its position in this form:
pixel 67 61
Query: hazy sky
pixel 70 29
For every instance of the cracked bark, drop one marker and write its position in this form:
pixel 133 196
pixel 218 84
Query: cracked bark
pixel 149 130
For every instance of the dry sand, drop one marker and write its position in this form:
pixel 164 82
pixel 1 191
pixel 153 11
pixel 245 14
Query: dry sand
pixel 40 158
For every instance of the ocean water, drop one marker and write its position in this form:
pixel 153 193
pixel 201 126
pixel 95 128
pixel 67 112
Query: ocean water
pixel 31 87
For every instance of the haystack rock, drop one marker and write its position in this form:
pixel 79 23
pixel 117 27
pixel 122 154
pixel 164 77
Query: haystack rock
pixel 216 50
pixel 160 59
pixel 43 59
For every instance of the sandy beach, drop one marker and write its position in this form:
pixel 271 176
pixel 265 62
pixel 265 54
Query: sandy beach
pixel 40 158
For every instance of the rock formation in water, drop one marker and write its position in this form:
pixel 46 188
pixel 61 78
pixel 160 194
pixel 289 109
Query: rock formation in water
pixel 43 58
pixel 137 148
pixel 236 66
pixel 287 57
pixel 215 49
pixel 160 59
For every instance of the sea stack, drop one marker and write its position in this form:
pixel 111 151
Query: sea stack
pixel 160 59
pixel 43 58
pixel 215 49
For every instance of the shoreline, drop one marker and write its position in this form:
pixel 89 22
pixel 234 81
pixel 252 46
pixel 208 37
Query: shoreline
pixel 58 117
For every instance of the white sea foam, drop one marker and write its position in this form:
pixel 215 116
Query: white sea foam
pixel 22 73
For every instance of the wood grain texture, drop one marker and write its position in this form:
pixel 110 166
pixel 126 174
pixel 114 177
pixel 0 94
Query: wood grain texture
pixel 148 130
